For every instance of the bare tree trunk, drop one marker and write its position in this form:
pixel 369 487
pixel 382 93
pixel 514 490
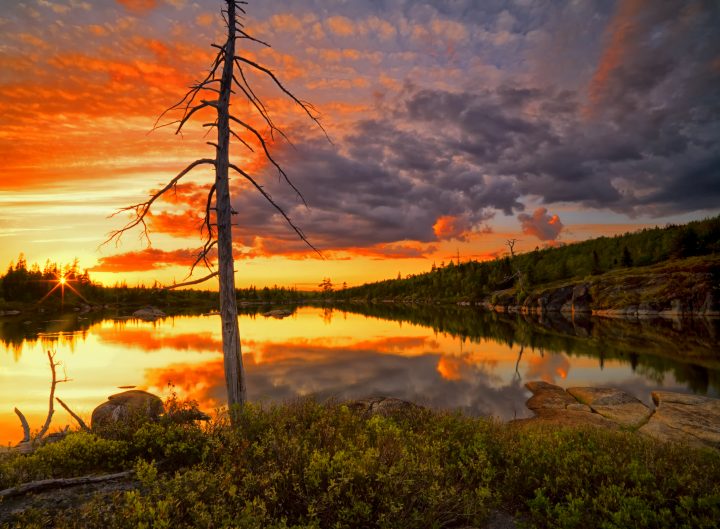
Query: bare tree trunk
pixel 189 105
pixel 234 373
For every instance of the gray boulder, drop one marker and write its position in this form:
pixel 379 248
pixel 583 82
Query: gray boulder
pixel 127 406
pixel 149 313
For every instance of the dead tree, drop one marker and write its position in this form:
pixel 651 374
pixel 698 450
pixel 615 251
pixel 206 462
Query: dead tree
pixel 510 243
pixel 28 443
pixel 229 74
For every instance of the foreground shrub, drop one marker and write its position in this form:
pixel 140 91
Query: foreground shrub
pixel 315 466
pixel 77 454
pixel 589 477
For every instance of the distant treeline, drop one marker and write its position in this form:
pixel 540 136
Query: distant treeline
pixel 25 284
pixel 475 280
pixel 470 281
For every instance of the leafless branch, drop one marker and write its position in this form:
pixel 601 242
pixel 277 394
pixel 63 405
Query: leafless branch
pixel 141 210
pixel 189 114
pixel 208 207
pixel 245 35
pixel 259 105
pixel 53 385
pixel 262 142
pixel 193 282
pixel 25 426
pixel 203 255
pixel 46 484
pixel 191 94
pixel 73 414
pixel 276 206
pixel 304 105
pixel 238 138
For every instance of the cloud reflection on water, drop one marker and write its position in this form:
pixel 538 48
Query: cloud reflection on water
pixel 277 371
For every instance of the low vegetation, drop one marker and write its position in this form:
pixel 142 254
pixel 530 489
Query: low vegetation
pixel 310 465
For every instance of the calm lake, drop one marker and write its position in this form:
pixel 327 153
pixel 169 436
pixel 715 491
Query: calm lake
pixel 454 358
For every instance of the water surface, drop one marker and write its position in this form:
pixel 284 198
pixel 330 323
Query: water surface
pixel 445 358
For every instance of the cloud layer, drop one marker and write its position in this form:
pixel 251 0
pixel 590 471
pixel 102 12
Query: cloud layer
pixel 444 116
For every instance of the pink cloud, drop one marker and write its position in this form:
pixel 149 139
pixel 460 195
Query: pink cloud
pixel 541 224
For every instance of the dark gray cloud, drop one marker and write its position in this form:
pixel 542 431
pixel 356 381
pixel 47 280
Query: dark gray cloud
pixel 638 132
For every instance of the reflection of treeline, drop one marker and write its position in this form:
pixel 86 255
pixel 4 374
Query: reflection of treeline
pixel 475 280
pixel 688 349
pixel 48 331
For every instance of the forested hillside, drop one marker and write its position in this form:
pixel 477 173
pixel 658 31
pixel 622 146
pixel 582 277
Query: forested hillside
pixel 474 280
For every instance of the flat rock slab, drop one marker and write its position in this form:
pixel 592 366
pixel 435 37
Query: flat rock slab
pixel 613 404
pixel 548 397
pixel 678 417
pixel 685 417
pixel 568 417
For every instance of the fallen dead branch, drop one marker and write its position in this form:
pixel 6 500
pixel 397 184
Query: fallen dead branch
pixel 61 483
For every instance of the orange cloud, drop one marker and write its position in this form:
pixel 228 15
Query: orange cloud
pixel 286 22
pixel 138 6
pixel 185 224
pixel 151 340
pixel 620 31
pixel 297 250
pixel 451 227
pixel 450 367
pixel 205 19
pixel 98 31
pixel 541 225
pixel 548 367
pixel 340 26
pixel 197 381
pixel 148 259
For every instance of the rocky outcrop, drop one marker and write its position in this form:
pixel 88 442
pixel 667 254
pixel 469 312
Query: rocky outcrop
pixel 381 406
pixel 678 417
pixel 613 404
pixel 691 418
pixel 278 313
pixel 672 289
pixel 548 397
pixel 127 406
pixel 136 406
pixel 149 313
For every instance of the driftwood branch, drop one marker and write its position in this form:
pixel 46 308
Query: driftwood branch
pixel 73 415
pixel 27 443
pixel 25 426
pixel 51 407
pixel 47 484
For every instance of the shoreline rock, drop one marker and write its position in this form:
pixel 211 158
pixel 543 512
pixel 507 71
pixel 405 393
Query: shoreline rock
pixel 149 313
pixel 678 417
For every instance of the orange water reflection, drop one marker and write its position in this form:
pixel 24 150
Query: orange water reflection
pixel 310 352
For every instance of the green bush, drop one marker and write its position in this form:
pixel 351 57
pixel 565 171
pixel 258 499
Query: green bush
pixel 306 465
pixel 77 454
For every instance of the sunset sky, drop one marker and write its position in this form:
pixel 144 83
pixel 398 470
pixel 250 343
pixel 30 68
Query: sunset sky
pixel 454 125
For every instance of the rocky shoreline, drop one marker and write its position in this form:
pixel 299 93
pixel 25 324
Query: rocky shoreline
pixel 668 290
pixel 678 417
